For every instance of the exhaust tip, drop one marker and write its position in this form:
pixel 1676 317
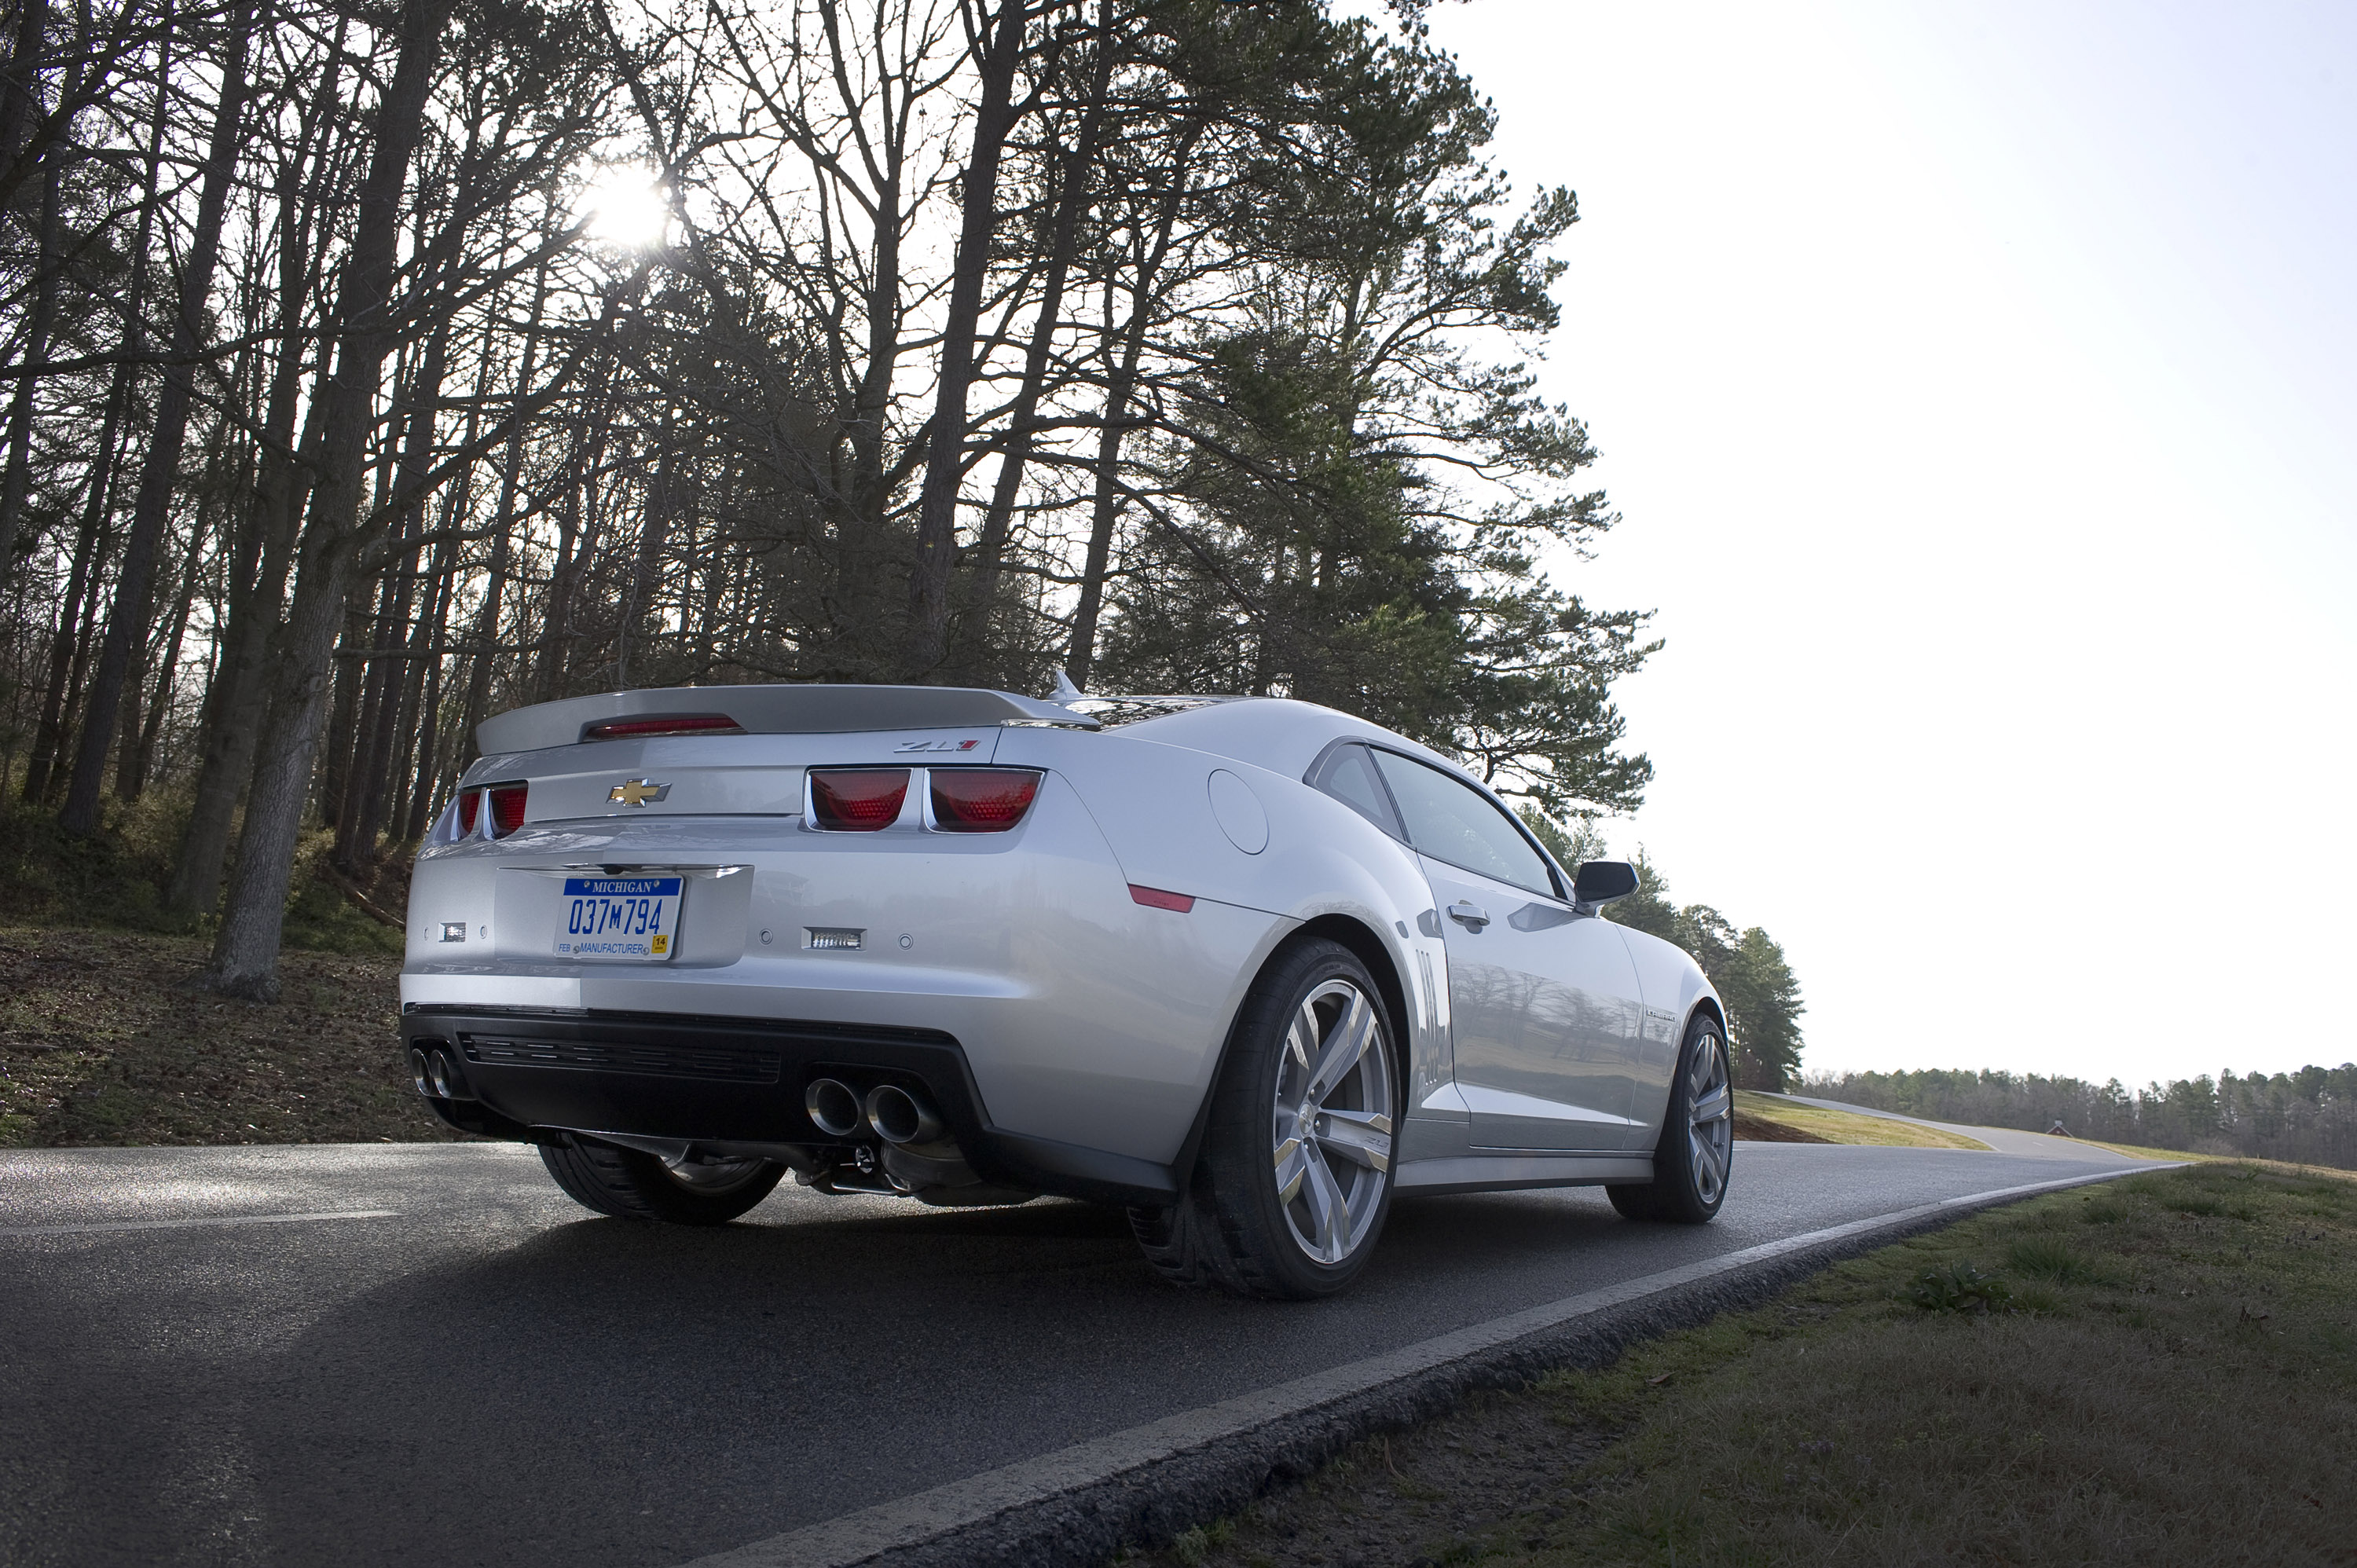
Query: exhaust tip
pixel 417 1072
pixel 901 1117
pixel 834 1108
pixel 443 1079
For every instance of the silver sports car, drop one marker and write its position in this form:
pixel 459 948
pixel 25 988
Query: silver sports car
pixel 1245 967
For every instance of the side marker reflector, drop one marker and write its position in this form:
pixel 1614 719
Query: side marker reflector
pixel 1156 898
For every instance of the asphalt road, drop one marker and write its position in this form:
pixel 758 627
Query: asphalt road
pixel 483 1372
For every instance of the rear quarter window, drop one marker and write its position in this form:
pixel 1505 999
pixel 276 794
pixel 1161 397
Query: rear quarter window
pixel 1348 773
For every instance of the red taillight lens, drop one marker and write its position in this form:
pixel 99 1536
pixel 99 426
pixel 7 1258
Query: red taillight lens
pixel 981 799
pixel 662 723
pixel 857 800
pixel 471 805
pixel 507 808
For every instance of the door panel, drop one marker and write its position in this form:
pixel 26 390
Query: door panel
pixel 1544 1003
pixel 1544 1018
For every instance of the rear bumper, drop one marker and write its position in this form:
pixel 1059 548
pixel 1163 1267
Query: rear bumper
pixel 738 1082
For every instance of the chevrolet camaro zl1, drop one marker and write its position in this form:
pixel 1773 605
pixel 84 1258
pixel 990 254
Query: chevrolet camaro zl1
pixel 1246 968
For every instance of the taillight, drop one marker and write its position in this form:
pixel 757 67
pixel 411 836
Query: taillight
pixel 470 804
pixel 981 799
pixel 507 808
pixel 857 800
pixel 661 723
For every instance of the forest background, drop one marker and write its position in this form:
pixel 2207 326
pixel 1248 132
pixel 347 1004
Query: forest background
pixel 371 369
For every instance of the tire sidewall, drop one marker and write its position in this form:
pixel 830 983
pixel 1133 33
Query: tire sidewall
pixel 1237 1169
pixel 683 1204
pixel 1673 1178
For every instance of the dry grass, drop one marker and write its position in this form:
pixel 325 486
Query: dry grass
pixel 2169 1377
pixel 102 1040
pixel 2142 1153
pixel 1845 1127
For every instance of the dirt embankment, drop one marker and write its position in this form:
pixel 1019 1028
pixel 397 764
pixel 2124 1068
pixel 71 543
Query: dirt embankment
pixel 104 1039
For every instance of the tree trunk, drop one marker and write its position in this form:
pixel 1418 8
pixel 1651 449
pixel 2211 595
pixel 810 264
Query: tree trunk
pixel 577 532
pixel 50 738
pixel 245 952
pixel 487 615
pixel 359 705
pixel 1080 657
pixel 1105 508
pixel 1072 198
pixel 428 647
pixel 928 583
pixel 134 582
pixel 257 588
pixel 20 85
pixel 16 477
pixel 139 758
pixel 655 524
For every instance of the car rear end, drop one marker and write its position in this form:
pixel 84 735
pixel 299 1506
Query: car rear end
pixel 851 930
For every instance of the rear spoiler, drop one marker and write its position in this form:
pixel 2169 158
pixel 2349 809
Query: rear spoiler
pixel 774 710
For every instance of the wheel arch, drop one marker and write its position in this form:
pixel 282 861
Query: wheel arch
pixel 1363 943
pixel 1369 949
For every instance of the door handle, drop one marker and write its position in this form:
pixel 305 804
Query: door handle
pixel 1471 917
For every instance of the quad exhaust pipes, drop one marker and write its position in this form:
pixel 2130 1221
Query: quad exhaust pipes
pixel 833 1107
pixel 901 1117
pixel 893 1113
pixel 436 1076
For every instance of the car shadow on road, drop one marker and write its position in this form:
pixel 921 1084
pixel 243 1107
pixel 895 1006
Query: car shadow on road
pixel 606 1391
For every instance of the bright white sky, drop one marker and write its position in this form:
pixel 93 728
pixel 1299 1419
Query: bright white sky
pixel 1976 385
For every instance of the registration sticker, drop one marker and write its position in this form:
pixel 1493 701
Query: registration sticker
pixel 631 919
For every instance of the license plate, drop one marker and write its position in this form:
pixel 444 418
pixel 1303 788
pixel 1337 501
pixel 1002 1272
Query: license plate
pixel 630 919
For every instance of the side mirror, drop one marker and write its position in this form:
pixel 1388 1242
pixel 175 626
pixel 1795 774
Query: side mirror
pixel 1601 882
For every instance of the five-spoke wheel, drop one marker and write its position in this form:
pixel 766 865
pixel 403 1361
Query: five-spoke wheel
pixel 1333 1124
pixel 1294 1177
pixel 1696 1152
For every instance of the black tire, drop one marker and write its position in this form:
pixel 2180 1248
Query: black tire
pixel 630 1185
pixel 1695 1160
pixel 1239 1226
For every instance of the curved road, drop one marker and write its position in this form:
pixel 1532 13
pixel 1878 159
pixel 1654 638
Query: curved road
pixel 445 1360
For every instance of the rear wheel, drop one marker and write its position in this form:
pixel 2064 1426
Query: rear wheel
pixel 1295 1179
pixel 632 1185
pixel 1696 1153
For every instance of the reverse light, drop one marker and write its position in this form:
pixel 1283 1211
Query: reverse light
pixel 507 808
pixel 661 723
pixel 981 799
pixel 857 799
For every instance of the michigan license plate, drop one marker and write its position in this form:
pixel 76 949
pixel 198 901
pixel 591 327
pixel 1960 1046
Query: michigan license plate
pixel 619 918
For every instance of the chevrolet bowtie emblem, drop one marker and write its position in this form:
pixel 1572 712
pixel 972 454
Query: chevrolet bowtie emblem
pixel 638 792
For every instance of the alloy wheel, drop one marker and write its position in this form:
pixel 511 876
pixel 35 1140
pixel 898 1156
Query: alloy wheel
pixel 1710 1117
pixel 1332 1139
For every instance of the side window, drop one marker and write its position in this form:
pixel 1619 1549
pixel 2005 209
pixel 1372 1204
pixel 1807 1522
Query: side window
pixel 1450 822
pixel 1349 775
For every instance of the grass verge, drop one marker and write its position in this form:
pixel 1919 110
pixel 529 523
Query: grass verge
pixel 2141 1153
pixel 1819 1125
pixel 103 1040
pixel 2159 1370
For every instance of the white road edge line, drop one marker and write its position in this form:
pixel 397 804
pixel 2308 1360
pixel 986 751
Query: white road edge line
pixel 96 1227
pixel 852 1539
